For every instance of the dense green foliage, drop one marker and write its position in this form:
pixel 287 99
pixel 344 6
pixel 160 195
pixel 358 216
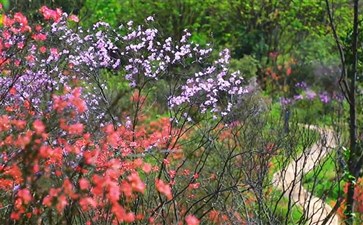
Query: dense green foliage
pixel 288 58
pixel 263 36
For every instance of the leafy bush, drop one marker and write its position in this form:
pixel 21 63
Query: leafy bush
pixel 81 143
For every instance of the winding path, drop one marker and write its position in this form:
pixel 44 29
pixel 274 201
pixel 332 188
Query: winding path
pixel 289 180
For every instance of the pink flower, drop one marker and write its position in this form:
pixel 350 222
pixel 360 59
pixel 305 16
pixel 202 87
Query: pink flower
pixel 73 18
pixel 39 37
pixel 163 188
pixel 42 49
pixel 192 220
pixel 38 126
pixel 83 184
pixel 25 195
pixel 136 183
pixel 50 14
pixel 76 128
pixel 54 52
pixel 7 21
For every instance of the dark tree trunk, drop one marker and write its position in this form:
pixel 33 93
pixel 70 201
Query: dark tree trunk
pixel 353 165
pixel 348 84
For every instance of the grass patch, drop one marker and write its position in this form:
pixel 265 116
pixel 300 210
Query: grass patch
pixel 293 216
pixel 295 144
pixel 324 182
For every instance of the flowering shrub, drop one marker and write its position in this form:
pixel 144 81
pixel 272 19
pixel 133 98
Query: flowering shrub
pixel 55 157
pixel 67 156
pixel 309 89
pixel 74 169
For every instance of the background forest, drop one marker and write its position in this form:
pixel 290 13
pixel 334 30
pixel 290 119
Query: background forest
pixel 181 112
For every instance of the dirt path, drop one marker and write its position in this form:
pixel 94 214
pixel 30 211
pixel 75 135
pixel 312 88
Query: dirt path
pixel 289 179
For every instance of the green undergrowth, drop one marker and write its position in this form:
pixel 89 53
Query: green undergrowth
pixel 291 145
pixel 324 181
pixel 291 216
pixel 309 112
pixel 295 143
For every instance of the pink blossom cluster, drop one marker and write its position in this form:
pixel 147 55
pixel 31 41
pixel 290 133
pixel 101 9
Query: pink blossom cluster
pixel 58 54
pixel 207 87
